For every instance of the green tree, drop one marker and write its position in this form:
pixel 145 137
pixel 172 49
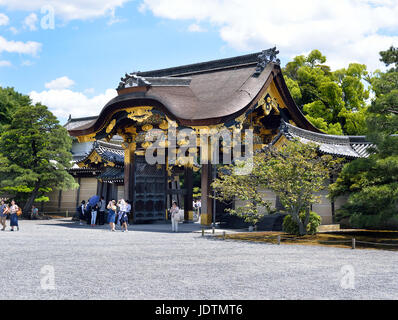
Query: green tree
pixel 372 183
pixel 294 172
pixel 35 154
pixel 10 101
pixel 231 185
pixel 334 101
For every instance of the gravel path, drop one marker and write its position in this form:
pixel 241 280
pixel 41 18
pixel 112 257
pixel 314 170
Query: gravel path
pixel 152 263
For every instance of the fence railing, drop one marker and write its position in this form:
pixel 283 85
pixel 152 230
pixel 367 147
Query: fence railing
pixel 278 238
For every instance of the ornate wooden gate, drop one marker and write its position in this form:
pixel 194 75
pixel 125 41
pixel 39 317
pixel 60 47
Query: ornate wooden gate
pixel 150 191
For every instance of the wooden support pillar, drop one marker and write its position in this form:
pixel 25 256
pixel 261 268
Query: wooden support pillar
pixel 79 181
pixel 98 188
pixel 207 202
pixel 188 197
pixel 105 192
pixel 129 156
pixel 59 201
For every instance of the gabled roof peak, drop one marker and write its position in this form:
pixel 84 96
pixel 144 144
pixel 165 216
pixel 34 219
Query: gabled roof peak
pixel 257 59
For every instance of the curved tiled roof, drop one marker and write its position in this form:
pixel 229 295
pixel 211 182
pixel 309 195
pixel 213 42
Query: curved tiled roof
pixel 348 146
pixel 212 92
pixel 78 122
pixel 108 151
pixel 112 175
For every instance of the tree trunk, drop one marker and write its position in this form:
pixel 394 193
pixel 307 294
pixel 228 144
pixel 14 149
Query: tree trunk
pixel 302 227
pixel 307 219
pixel 28 205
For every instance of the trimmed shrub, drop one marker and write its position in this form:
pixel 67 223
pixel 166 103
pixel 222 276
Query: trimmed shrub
pixel 290 225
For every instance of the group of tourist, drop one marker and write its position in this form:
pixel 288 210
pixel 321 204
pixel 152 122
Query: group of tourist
pixel 11 210
pixel 117 213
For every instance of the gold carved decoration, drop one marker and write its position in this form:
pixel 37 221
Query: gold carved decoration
pixel 111 126
pixel 109 164
pixel 164 143
pixel 171 123
pixel 139 114
pixel 267 104
pixel 86 138
pixel 95 158
pixel 146 144
pixel 182 142
pixel 147 127
pixel 164 125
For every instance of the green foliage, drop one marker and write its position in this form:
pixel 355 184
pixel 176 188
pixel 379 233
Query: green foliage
pixel 390 57
pixel 334 102
pixel 247 188
pixel 295 173
pixel 290 225
pixel 10 101
pixel 35 153
pixel 196 193
pixel 372 183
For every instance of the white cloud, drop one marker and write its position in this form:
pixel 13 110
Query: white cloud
pixel 345 30
pixel 194 27
pixel 4 63
pixel 4 20
pixel 89 91
pixel 13 30
pixel 29 47
pixel 59 83
pixel 65 102
pixel 27 63
pixel 30 22
pixel 68 10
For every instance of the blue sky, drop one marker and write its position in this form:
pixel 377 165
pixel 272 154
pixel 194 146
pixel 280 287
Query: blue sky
pixel 74 67
pixel 95 54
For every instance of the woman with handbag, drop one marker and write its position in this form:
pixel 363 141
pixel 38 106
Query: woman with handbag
pixel 14 212
pixel 112 214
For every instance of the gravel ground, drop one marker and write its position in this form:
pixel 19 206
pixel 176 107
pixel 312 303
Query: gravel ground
pixel 149 262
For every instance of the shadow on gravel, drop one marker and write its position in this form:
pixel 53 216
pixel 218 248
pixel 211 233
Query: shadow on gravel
pixel 160 228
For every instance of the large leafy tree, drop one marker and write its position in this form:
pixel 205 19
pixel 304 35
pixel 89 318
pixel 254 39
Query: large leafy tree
pixel 247 189
pixel 295 172
pixel 334 101
pixel 372 183
pixel 35 154
pixel 10 101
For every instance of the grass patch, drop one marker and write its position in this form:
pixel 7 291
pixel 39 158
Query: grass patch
pixel 384 240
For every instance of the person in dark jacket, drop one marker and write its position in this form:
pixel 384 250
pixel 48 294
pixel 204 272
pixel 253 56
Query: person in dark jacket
pixel 102 207
pixel 87 213
pixel 81 211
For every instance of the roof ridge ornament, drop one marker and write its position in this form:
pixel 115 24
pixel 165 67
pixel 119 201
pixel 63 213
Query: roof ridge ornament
pixel 132 80
pixel 265 58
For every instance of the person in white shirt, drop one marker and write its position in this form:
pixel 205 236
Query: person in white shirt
pixel 174 211
pixel 122 217
pixel 199 204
